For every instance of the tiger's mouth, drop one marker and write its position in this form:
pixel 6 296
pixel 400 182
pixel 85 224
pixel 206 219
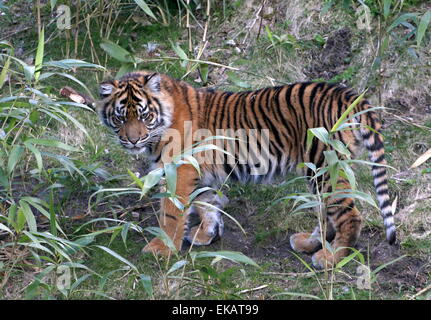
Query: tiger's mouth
pixel 138 150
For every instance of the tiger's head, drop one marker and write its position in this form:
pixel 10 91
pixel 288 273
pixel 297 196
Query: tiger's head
pixel 137 109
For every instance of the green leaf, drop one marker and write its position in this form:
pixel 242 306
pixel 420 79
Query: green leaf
pixel 347 112
pixel 46 75
pixel 79 281
pixel 423 25
pixel 233 256
pixel 14 156
pixel 192 160
pixel 52 143
pixel 135 179
pixel 53 3
pixel 307 205
pixel 52 216
pixel 147 284
pixel 4 179
pixel 349 193
pixel 29 216
pixel 320 133
pixel 20 220
pixel 36 153
pixel 117 256
pixel 171 177
pixel 124 232
pixel 197 192
pixel 143 5
pixel 340 147
pixel 75 122
pixel 40 205
pixel 402 18
pixel 162 235
pixel 5 228
pixel 386 8
pixel 349 173
pixel 39 54
pixel 69 64
pixel 378 269
pixel 177 265
pixel 349 258
pixel 151 179
pixel 29 72
pixel 116 52
pixel 32 290
pixel 180 52
pixel 4 72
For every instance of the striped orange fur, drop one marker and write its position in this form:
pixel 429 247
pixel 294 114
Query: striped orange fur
pixel 143 106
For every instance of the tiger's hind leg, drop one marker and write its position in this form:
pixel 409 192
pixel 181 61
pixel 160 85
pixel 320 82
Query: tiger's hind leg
pixel 205 223
pixel 347 222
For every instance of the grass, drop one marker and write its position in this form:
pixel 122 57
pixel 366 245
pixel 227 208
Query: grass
pixel 281 275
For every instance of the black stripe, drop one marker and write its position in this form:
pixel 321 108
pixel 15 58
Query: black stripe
pixel 214 107
pixel 379 174
pixel 170 216
pixel 377 145
pixel 383 192
pixel 381 183
pixel 385 204
pixel 380 159
pixel 186 97
pixel 367 135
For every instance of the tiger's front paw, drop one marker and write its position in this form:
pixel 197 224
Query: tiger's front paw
pixel 323 259
pixel 202 236
pixel 157 247
pixel 304 242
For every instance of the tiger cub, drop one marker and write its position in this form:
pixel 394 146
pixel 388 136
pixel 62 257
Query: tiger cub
pixel 149 111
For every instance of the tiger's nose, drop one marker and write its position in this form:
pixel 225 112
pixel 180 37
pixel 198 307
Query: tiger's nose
pixel 133 140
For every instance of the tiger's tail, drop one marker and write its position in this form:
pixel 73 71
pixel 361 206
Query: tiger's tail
pixel 373 141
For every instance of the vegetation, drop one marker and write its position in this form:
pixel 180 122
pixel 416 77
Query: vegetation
pixel 76 210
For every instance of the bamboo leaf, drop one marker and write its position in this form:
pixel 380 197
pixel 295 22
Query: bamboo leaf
pixel 39 54
pixel 29 216
pixel 116 52
pixel 144 6
pixel 320 133
pixel 347 112
pixel 171 177
pixel 402 18
pixel 177 265
pixel 36 153
pixel 423 25
pixel 117 256
pixel 162 235
pixel 4 72
pixel 52 143
pixel 233 256
pixel 147 284
pixel 14 156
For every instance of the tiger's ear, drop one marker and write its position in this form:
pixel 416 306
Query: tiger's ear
pixel 106 88
pixel 152 82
